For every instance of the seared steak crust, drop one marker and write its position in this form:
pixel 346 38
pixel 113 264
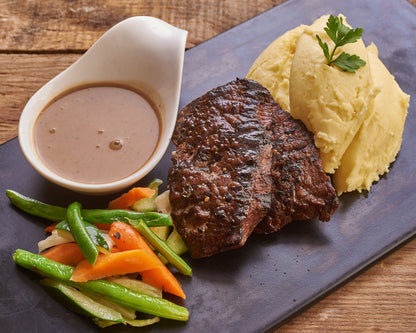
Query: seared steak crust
pixel 301 189
pixel 219 183
pixel 242 164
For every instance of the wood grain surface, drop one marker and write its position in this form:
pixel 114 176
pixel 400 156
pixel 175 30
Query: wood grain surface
pixel 40 38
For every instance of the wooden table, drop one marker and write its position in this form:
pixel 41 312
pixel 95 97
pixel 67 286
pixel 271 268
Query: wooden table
pixel 40 38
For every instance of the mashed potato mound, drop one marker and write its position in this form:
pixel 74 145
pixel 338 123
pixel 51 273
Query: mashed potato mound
pixel 380 136
pixel 331 103
pixel 272 68
pixel 357 118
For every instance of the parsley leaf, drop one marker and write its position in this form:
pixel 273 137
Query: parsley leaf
pixel 348 62
pixel 341 34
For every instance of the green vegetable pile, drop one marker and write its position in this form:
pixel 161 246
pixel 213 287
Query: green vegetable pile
pixel 107 301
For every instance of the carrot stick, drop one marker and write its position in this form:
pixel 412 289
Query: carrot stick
pixel 66 253
pixel 118 263
pixel 127 238
pixel 127 199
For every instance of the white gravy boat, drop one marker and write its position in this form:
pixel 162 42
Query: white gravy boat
pixel 143 53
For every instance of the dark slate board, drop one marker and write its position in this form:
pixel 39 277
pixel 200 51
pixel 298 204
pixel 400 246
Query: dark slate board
pixel 272 278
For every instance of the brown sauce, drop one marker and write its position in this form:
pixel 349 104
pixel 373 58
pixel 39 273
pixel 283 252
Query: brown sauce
pixel 97 134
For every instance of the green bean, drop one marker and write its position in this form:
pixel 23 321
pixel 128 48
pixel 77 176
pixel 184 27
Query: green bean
pixel 152 219
pixel 80 233
pixel 140 302
pixel 162 247
pixel 36 208
pixel 56 213
pixel 92 230
pixel 113 291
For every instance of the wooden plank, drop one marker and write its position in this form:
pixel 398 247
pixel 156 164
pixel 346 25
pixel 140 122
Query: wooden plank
pixel 51 25
pixel 382 299
pixel 21 75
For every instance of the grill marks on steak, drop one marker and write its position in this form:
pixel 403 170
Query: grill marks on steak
pixel 220 186
pixel 242 164
pixel 301 189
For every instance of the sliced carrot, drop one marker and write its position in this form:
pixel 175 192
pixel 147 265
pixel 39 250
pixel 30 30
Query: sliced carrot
pixel 65 253
pixel 51 227
pixel 118 263
pixel 127 199
pixel 127 238
pixel 114 249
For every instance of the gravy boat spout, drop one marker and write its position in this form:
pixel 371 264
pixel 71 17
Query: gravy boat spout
pixel 143 53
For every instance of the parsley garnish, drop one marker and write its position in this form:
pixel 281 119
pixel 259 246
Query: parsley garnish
pixel 341 35
pixel 187 195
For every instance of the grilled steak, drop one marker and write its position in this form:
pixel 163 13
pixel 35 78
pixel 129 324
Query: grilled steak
pixel 242 164
pixel 301 189
pixel 219 183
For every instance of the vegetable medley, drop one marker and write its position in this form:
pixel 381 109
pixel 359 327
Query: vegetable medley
pixel 110 264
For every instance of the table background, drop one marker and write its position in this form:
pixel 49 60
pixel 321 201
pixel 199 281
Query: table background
pixel 40 38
